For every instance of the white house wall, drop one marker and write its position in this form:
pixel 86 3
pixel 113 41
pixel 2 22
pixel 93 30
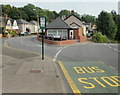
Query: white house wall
pixel 15 26
pixel 9 25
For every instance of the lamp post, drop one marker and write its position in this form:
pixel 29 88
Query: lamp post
pixel 37 19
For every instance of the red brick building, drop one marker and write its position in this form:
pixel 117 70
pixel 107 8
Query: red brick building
pixel 66 29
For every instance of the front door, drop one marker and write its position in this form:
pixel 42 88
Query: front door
pixel 71 34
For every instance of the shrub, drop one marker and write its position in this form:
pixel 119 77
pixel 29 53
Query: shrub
pixel 99 38
pixel 13 32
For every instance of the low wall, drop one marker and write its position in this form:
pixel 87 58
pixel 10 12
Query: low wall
pixel 58 42
pixel 83 39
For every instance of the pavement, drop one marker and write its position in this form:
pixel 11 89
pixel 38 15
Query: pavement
pixel 25 72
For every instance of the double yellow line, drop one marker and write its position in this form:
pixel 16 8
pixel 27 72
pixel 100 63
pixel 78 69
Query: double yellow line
pixel 74 88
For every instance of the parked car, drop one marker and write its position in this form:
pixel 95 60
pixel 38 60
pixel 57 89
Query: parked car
pixel 89 34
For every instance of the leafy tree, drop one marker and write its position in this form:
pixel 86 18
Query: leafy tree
pixel 114 15
pixel 88 18
pixel 6 9
pixel 106 24
pixel 14 13
pixel 118 32
pixel 64 12
pixel 30 11
pixel 23 15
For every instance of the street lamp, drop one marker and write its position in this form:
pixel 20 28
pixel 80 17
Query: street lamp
pixel 37 19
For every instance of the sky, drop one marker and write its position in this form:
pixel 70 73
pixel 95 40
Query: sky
pixel 91 7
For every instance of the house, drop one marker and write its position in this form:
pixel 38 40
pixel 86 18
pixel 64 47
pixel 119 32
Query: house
pixel 24 26
pixel 15 25
pixel 34 27
pixel 70 28
pixel 20 25
pixel 58 28
pixel 9 24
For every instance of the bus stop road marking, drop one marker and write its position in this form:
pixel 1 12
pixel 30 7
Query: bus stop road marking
pixel 91 77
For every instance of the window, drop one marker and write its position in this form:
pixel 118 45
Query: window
pixel 64 33
pixel 55 32
pixel 60 33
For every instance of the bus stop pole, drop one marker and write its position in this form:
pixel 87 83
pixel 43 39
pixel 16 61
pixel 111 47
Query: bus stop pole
pixel 42 45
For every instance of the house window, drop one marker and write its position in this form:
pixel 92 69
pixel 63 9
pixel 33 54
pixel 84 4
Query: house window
pixel 50 33
pixel 60 33
pixel 57 33
pixel 64 33
pixel 8 24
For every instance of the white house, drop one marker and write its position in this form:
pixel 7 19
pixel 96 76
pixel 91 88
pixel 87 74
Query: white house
pixel 15 25
pixel 8 24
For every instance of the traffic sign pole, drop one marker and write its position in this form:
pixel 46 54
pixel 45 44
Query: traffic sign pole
pixel 42 45
pixel 42 26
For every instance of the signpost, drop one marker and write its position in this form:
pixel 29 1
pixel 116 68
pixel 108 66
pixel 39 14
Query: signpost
pixel 42 27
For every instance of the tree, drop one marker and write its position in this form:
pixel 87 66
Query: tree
pixel 64 12
pixel 118 32
pixel 14 13
pixel 23 15
pixel 30 11
pixel 6 9
pixel 106 24
pixel 88 18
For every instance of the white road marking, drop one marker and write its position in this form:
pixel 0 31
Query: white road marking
pixel 21 41
pixel 59 48
pixel 56 55
pixel 109 47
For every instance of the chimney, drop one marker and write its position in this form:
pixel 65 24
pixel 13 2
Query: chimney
pixel 72 12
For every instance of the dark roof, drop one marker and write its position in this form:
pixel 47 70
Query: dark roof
pixel 58 23
pixel 21 21
pixel 34 22
pixel 4 20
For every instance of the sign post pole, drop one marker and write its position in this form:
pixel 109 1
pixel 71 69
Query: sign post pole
pixel 42 44
pixel 42 26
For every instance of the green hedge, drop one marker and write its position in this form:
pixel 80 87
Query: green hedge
pixel 99 38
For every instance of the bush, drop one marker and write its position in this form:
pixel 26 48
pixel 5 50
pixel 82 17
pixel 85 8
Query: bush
pixel 99 38
pixel 13 32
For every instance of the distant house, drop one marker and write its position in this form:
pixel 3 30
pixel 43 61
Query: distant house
pixel 24 26
pixel 15 25
pixel 20 25
pixel 9 24
pixel 34 27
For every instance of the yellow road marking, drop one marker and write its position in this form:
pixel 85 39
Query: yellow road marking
pixel 69 79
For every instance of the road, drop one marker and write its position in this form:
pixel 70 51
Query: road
pixel 92 67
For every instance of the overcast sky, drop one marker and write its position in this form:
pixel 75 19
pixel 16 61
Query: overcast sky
pixel 93 7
